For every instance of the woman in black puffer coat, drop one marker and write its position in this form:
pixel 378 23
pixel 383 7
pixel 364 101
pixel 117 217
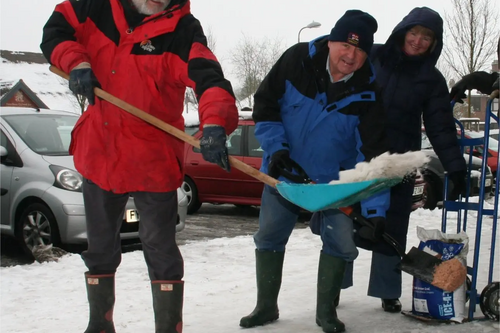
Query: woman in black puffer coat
pixel 413 90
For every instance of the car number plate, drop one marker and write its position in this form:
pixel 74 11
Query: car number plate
pixel 418 190
pixel 132 215
pixel 487 182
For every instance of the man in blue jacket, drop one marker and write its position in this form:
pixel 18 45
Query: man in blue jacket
pixel 317 112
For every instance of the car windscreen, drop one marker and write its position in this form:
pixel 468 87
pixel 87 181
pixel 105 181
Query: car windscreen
pixel 45 134
pixel 492 143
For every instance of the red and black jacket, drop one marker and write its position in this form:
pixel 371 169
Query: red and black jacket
pixel 147 63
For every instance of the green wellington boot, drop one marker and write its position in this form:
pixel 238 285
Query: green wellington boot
pixel 330 274
pixel 269 268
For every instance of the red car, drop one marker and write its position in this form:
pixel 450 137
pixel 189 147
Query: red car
pixel 492 159
pixel 207 182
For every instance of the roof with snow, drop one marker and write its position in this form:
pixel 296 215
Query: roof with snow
pixel 33 69
pixel 21 95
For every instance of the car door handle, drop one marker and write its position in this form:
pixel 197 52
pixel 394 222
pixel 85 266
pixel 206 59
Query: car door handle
pixel 194 162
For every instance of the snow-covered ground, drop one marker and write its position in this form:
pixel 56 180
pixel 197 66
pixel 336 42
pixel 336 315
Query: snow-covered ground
pixel 220 288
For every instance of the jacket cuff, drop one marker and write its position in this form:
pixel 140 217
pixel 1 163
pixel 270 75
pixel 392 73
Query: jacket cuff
pixel 376 205
pixel 274 147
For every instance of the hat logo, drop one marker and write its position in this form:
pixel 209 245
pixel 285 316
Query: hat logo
pixel 353 38
pixel 146 45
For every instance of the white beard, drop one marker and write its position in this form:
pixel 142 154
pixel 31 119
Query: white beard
pixel 143 8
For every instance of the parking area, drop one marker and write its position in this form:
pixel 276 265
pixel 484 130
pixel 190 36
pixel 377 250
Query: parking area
pixel 211 221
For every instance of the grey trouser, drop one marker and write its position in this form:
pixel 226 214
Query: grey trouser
pixel 104 212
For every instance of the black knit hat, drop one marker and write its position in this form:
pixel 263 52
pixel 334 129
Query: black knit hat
pixel 356 28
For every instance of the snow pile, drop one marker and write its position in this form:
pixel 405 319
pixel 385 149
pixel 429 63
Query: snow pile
pixel 384 166
pixel 220 286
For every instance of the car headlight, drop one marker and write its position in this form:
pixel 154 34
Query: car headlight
pixel 67 179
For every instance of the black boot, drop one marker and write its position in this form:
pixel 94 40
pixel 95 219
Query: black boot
pixel 391 305
pixel 269 267
pixel 167 304
pixel 101 296
pixel 330 275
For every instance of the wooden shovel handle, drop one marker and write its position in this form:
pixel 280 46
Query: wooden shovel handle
pixel 243 167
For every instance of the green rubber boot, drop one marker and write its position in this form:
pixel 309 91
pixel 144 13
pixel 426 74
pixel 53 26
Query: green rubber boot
pixel 330 275
pixel 167 304
pixel 269 267
pixel 101 296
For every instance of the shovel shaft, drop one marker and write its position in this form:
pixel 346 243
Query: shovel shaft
pixel 243 167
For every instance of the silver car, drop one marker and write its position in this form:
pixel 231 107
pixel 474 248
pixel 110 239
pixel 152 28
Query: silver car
pixel 41 195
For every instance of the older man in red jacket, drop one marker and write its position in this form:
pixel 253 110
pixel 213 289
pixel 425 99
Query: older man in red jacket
pixel 144 52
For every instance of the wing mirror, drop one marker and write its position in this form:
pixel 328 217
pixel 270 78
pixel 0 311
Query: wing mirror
pixel 3 151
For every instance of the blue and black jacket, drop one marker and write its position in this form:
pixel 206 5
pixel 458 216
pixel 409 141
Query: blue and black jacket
pixel 327 127
pixel 414 89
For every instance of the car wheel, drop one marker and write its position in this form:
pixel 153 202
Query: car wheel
pixel 37 226
pixel 429 196
pixel 192 194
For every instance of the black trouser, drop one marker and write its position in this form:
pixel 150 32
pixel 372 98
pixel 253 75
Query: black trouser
pixel 104 215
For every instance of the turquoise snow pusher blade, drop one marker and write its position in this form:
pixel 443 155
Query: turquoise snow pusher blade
pixel 316 197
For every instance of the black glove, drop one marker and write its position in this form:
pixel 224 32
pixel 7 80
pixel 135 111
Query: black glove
pixel 375 231
pixel 481 81
pixel 82 82
pixel 496 84
pixel 282 165
pixel 459 185
pixel 213 146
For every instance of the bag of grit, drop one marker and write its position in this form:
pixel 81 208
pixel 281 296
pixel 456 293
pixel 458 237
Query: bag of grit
pixel 430 301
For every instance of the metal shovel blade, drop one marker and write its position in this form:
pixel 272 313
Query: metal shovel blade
pixel 316 197
pixel 420 264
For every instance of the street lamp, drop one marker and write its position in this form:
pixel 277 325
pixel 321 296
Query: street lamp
pixel 313 24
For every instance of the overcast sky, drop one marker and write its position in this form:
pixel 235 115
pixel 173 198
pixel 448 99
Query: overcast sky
pixel 22 20
pixel 228 19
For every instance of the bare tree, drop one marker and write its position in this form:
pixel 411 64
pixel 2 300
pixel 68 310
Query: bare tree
pixel 190 98
pixel 79 102
pixel 190 95
pixel 211 40
pixel 460 110
pixel 471 38
pixel 252 60
pixel 446 71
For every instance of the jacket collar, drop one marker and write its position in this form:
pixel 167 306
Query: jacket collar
pixel 318 55
pixel 153 25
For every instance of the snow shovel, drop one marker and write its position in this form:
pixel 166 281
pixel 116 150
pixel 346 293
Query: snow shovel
pixel 312 197
pixel 420 264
